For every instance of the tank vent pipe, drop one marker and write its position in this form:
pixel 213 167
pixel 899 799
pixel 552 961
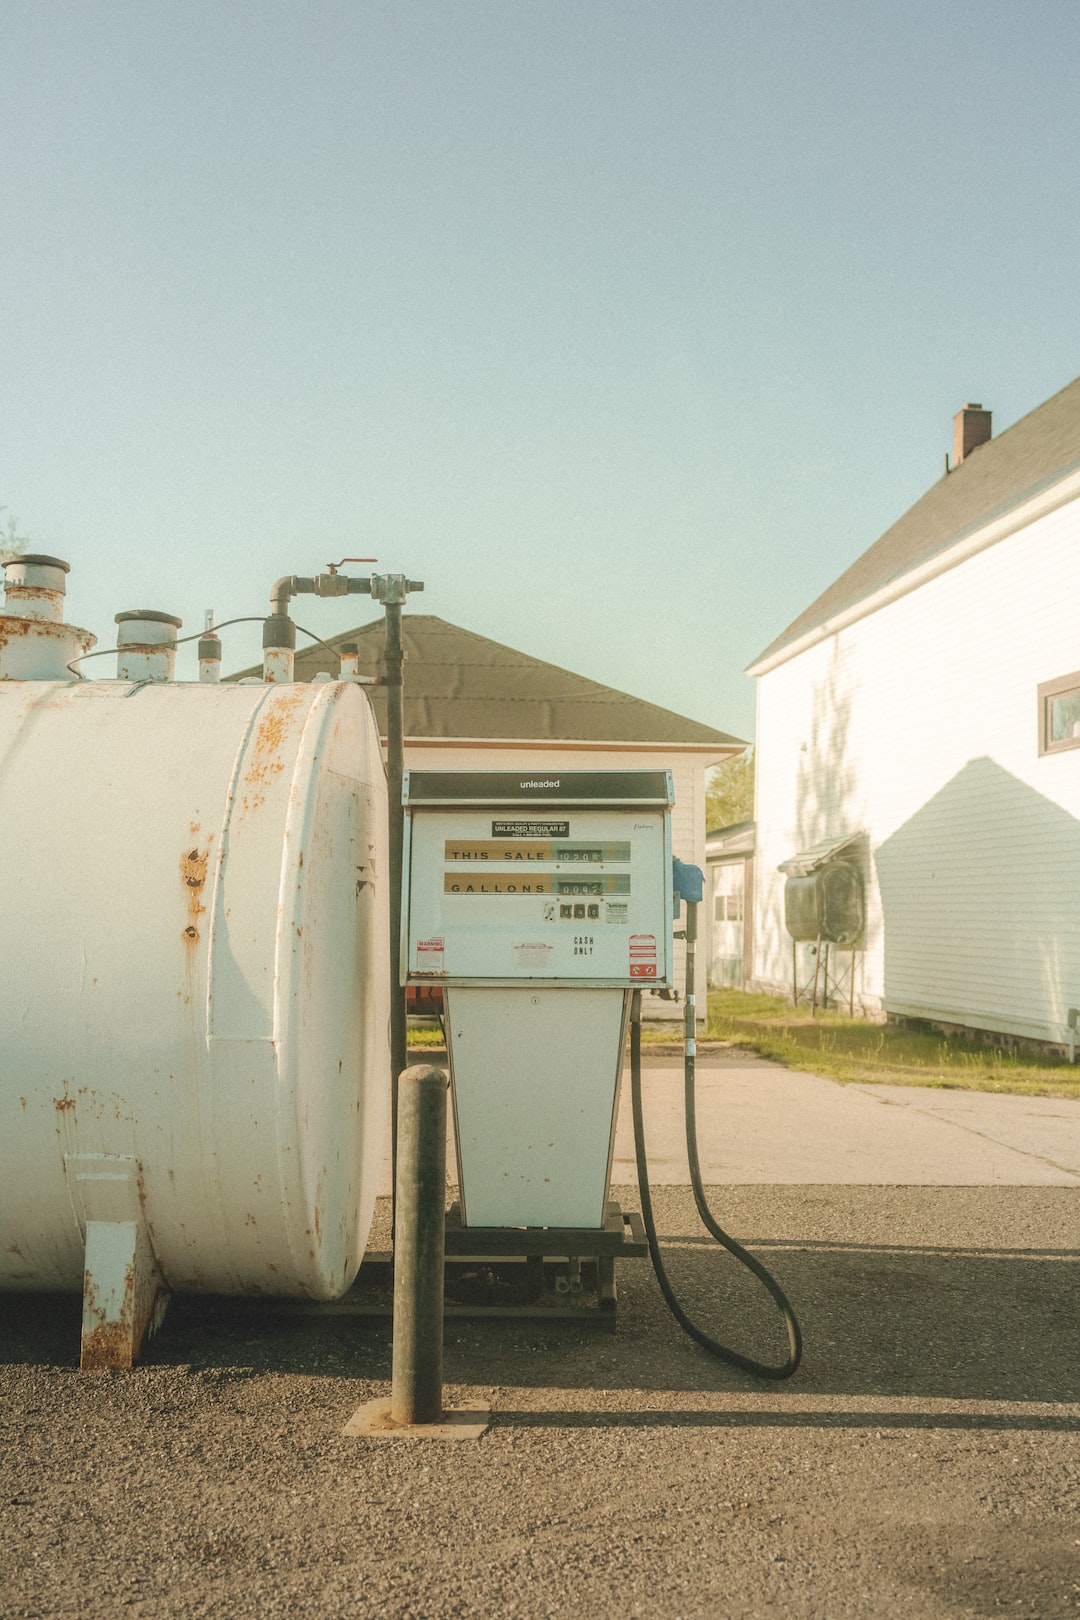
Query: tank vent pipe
pixel 34 588
pixel 146 645
pixel 209 652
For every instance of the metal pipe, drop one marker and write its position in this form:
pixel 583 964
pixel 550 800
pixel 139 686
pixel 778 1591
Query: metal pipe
pixel 288 586
pixel 690 1009
pixel 395 767
pixel 419 1247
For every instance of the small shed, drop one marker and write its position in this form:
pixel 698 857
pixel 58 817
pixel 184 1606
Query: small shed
pixel 729 931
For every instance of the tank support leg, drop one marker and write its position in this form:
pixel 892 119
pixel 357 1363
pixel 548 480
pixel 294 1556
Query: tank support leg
pixel 124 1294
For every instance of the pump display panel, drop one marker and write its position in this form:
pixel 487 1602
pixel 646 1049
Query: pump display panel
pixel 565 878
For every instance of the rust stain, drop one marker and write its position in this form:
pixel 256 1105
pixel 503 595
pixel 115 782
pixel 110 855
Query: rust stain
pixel 14 629
pixel 106 1347
pixel 193 864
pixel 266 762
pixel 62 1104
pixel 109 1345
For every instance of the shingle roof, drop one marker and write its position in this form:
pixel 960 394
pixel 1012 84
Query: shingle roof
pixel 1034 453
pixel 458 684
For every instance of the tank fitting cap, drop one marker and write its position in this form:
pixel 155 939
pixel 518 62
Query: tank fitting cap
pixel 279 631
pixel 37 560
pixel 152 618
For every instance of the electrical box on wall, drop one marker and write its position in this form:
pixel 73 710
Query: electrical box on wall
pixel 563 877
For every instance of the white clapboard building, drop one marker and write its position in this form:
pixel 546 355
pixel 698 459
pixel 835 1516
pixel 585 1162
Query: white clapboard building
pixel 921 720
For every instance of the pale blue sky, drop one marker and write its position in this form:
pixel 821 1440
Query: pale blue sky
pixel 624 326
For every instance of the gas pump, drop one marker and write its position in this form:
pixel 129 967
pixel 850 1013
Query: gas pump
pixel 542 905
pixel 537 902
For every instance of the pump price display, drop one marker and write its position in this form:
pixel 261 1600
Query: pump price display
pixel 507 896
pixel 536 883
pixel 493 849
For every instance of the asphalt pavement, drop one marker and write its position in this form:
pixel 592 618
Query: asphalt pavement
pixel 923 1462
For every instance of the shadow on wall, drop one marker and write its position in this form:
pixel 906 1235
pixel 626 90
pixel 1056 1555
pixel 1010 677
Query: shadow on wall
pixel 825 806
pixel 825 784
pixel 981 897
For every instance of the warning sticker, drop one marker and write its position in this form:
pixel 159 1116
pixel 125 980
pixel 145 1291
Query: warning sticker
pixel 429 955
pixel 643 956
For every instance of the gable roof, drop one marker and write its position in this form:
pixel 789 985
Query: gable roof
pixel 1026 460
pixel 463 686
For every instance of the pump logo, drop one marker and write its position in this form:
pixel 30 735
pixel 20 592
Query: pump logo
pixel 643 956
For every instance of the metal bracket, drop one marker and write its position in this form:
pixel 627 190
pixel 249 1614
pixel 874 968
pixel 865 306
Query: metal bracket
pixel 124 1293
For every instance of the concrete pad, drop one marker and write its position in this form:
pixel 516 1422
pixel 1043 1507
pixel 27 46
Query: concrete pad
pixel 372 1421
pixel 1047 1128
pixel 761 1123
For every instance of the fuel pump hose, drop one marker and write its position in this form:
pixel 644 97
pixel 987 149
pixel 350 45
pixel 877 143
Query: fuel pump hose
pixel 735 1358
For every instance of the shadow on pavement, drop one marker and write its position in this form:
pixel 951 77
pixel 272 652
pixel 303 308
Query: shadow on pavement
pixel 878 1321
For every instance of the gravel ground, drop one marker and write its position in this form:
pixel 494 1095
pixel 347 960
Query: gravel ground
pixel 924 1462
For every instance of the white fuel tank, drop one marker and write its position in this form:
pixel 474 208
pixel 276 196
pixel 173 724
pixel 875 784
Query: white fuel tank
pixel 194 996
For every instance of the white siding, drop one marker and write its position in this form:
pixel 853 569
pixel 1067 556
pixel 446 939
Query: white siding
pixel 918 724
pixel 687 817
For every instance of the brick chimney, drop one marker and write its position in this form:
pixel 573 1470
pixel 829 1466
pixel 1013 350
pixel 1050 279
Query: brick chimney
pixel 971 427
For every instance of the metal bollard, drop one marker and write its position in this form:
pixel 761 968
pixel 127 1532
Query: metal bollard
pixel 419 1243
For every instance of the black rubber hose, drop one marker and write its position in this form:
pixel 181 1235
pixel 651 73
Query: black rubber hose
pixel 761 1369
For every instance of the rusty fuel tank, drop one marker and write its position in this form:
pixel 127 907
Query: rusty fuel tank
pixel 194 1069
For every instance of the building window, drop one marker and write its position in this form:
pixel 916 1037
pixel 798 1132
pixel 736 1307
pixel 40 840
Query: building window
pixel 728 907
pixel 1059 714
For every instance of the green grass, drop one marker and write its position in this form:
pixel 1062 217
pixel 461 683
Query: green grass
pixel 850 1049
pixel 422 1035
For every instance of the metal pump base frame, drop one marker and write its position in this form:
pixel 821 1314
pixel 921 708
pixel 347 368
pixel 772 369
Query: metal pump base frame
pixel 507 1273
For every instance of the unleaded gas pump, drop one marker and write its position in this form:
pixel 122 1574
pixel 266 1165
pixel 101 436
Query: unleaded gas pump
pixel 538 902
pixel 542 905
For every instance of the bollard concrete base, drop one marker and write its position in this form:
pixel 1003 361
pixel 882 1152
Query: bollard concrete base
pixel 373 1421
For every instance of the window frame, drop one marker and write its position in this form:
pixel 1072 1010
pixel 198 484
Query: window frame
pixel 1048 690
